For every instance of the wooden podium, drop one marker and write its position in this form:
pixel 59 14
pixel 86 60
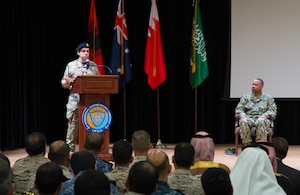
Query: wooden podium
pixel 95 89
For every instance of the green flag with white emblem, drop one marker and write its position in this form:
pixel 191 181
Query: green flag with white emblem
pixel 198 61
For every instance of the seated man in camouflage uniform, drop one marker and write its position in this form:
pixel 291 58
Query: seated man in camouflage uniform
pixel 142 179
pixel 24 169
pixel 59 152
pixel 122 157
pixel 255 109
pixel 49 179
pixel 182 179
pixel 141 144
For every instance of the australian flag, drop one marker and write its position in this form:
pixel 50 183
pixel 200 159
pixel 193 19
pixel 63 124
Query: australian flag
pixel 120 62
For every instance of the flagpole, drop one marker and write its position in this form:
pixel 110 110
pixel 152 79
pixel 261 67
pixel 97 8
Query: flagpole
pixel 154 61
pixel 124 110
pixel 159 144
pixel 198 67
pixel 196 112
pixel 120 61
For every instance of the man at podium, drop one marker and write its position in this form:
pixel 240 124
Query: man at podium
pixel 78 67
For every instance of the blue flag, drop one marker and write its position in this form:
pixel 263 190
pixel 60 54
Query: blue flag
pixel 120 62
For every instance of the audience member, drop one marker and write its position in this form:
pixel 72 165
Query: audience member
pixel 93 144
pixel 80 162
pixel 24 169
pixel 268 147
pixel 49 178
pixel 142 179
pixel 285 184
pixel 282 180
pixel 59 152
pixel 204 153
pixel 182 179
pixel 216 181
pixel 281 148
pixel 5 158
pixel 92 182
pixel 141 144
pixel 253 174
pixel 161 162
pixel 122 157
pixel 6 184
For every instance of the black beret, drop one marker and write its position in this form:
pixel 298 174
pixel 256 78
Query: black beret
pixel 82 45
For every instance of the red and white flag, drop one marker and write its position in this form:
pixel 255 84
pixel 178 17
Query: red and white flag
pixel 154 56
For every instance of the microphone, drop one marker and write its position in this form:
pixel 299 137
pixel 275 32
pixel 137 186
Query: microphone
pixel 106 67
pixel 87 63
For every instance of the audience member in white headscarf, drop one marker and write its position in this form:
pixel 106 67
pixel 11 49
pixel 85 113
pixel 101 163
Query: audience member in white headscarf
pixel 253 174
pixel 282 179
pixel 271 153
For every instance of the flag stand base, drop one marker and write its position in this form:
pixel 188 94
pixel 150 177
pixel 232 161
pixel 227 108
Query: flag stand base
pixel 159 144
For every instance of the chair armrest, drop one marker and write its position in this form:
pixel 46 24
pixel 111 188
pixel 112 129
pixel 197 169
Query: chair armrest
pixel 272 118
pixel 236 124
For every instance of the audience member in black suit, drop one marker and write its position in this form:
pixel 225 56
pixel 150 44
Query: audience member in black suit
pixel 281 148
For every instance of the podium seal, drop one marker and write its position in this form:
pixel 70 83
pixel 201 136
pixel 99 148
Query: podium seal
pixel 96 117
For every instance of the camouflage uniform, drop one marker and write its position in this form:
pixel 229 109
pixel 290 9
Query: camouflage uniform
pixel 119 175
pixel 183 181
pixel 102 165
pixel 253 108
pixel 24 171
pixel 66 172
pixel 73 69
pixel 163 188
pixel 137 159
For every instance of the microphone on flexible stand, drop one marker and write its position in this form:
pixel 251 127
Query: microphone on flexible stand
pixel 106 67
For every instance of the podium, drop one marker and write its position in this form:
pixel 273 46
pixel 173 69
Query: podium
pixel 95 89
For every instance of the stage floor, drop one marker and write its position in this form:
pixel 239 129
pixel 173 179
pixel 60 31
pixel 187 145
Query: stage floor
pixel 292 159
